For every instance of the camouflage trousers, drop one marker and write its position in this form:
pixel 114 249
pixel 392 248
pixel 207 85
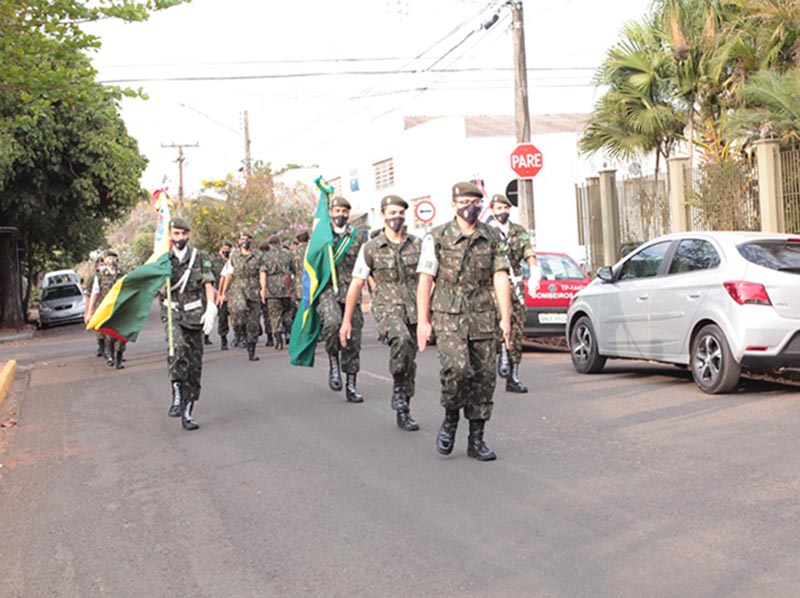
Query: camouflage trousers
pixel 330 313
pixel 222 319
pixel 249 319
pixel 278 313
pixel 111 344
pixel 401 337
pixel 467 373
pixel 518 313
pixel 186 365
pixel 265 314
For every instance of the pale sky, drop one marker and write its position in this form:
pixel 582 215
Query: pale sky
pixel 301 72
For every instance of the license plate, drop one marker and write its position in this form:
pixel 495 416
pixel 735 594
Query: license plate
pixel 552 318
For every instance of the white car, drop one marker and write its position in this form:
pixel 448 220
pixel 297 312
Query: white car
pixel 715 301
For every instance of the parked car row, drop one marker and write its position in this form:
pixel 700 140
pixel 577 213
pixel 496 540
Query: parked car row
pixel 63 300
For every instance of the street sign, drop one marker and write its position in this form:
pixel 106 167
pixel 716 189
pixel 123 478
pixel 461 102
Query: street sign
pixel 425 211
pixel 512 192
pixel 526 160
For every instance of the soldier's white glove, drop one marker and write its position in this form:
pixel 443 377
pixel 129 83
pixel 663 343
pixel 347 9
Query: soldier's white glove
pixel 207 319
pixel 534 278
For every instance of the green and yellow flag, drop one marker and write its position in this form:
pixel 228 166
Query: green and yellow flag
pixel 125 308
pixel 317 271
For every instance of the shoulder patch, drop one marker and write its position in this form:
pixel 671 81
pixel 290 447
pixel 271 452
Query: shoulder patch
pixel 525 236
pixel 206 263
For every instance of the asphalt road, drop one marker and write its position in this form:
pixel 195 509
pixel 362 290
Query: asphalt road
pixel 628 483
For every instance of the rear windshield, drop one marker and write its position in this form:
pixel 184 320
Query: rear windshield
pixel 70 290
pixel 775 255
pixel 559 267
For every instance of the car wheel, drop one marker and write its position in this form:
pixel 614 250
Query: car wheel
pixel 714 369
pixel 583 348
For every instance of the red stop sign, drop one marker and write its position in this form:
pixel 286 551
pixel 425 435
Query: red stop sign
pixel 526 160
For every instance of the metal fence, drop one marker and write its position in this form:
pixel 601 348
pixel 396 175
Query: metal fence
pixel 790 182
pixel 723 197
pixel 643 208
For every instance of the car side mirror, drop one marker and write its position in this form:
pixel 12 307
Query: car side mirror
pixel 606 274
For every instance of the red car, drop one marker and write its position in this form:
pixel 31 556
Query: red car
pixel 562 277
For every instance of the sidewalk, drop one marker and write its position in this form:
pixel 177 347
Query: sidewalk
pixel 6 335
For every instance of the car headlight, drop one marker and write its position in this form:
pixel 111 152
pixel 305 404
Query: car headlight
pixel 45 308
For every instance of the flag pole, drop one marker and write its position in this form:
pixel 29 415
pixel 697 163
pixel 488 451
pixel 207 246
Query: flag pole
pixel 170 336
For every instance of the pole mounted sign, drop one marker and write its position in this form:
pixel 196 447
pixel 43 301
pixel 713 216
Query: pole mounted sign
pixel 526 160
pixel 425 211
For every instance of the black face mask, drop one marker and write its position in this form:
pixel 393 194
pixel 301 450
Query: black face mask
pixel 340 221
pixel 502 217
pixel 225 253
pixel 180 243
pixel 396 223
pixel 246 244
pixel 470 213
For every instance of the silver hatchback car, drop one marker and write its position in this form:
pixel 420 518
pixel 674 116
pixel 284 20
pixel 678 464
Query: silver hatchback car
pixel 716 302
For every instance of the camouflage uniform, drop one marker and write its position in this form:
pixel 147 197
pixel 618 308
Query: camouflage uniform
pixel 464 315
pixel 519 249
pixel 393 267
pixel 298 256
pixel 186 365
pixel 330 307
pixel 217 263
pixel 277 264
pixel 106 280
pixel 245 292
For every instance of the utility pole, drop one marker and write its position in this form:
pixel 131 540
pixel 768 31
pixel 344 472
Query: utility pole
pixel 521 114
pixel 180 160
pixel 248 165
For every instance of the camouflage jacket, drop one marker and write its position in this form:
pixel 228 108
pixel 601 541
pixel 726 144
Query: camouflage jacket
pixel 245 284
pixel 519 247
pixel 462 298
pixel 188 306
pixel 344 268
pixel 106 280
pixel 217 264
pixel 277 264
pixel 298 256
pixel 393 267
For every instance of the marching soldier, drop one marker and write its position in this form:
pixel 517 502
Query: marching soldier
pixel 330 306
pixel 245 289
pixel 519 249
pixel 277 287
pixel 104 279
pixel 391 259
pixel 217 264
pixel 193 313
pixel 264 249
pixel 466 259
pixel 298 255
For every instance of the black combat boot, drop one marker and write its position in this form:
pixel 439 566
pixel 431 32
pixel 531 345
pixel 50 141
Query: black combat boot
pixel 177 400
pixel 251 352
pixel 270 340
pixel 101 348
pixel 186 416
pixel 350 390
pixel 279 341
pixel 399 397
pixel 334 373
pixel 476 447
pixel 118 361
pixel 110 356
pixel 512 382
pixel 239 340
pixel 446 438
pixel 404 420
pixel 207 340
pixel 503 365
pixel 223 344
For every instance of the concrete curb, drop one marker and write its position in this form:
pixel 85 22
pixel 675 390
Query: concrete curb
pixel 16 336
pixel 6 376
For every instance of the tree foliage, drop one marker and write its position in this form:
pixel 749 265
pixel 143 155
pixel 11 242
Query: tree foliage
pixel 67 164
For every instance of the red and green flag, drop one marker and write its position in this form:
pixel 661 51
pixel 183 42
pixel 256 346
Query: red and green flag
pixel 125 308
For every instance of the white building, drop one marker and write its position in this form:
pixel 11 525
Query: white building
pixel 424 157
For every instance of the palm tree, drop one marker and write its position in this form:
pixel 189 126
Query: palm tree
pixel 771 107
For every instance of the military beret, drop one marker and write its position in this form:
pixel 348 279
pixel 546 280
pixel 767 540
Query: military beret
pixel 467 190
pixel 274 240
pixel 340 202
pixel 394 200
pixel 112 252
pixel 500 198
pixel 302 237
pixel 180 223
pixel 245 233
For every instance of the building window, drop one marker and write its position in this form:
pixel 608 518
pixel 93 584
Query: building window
pixel 384 174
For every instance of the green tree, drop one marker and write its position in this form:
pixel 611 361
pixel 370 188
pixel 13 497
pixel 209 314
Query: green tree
pixel 67 165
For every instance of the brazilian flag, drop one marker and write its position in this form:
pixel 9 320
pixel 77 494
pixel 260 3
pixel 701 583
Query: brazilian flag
pixel 317 272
